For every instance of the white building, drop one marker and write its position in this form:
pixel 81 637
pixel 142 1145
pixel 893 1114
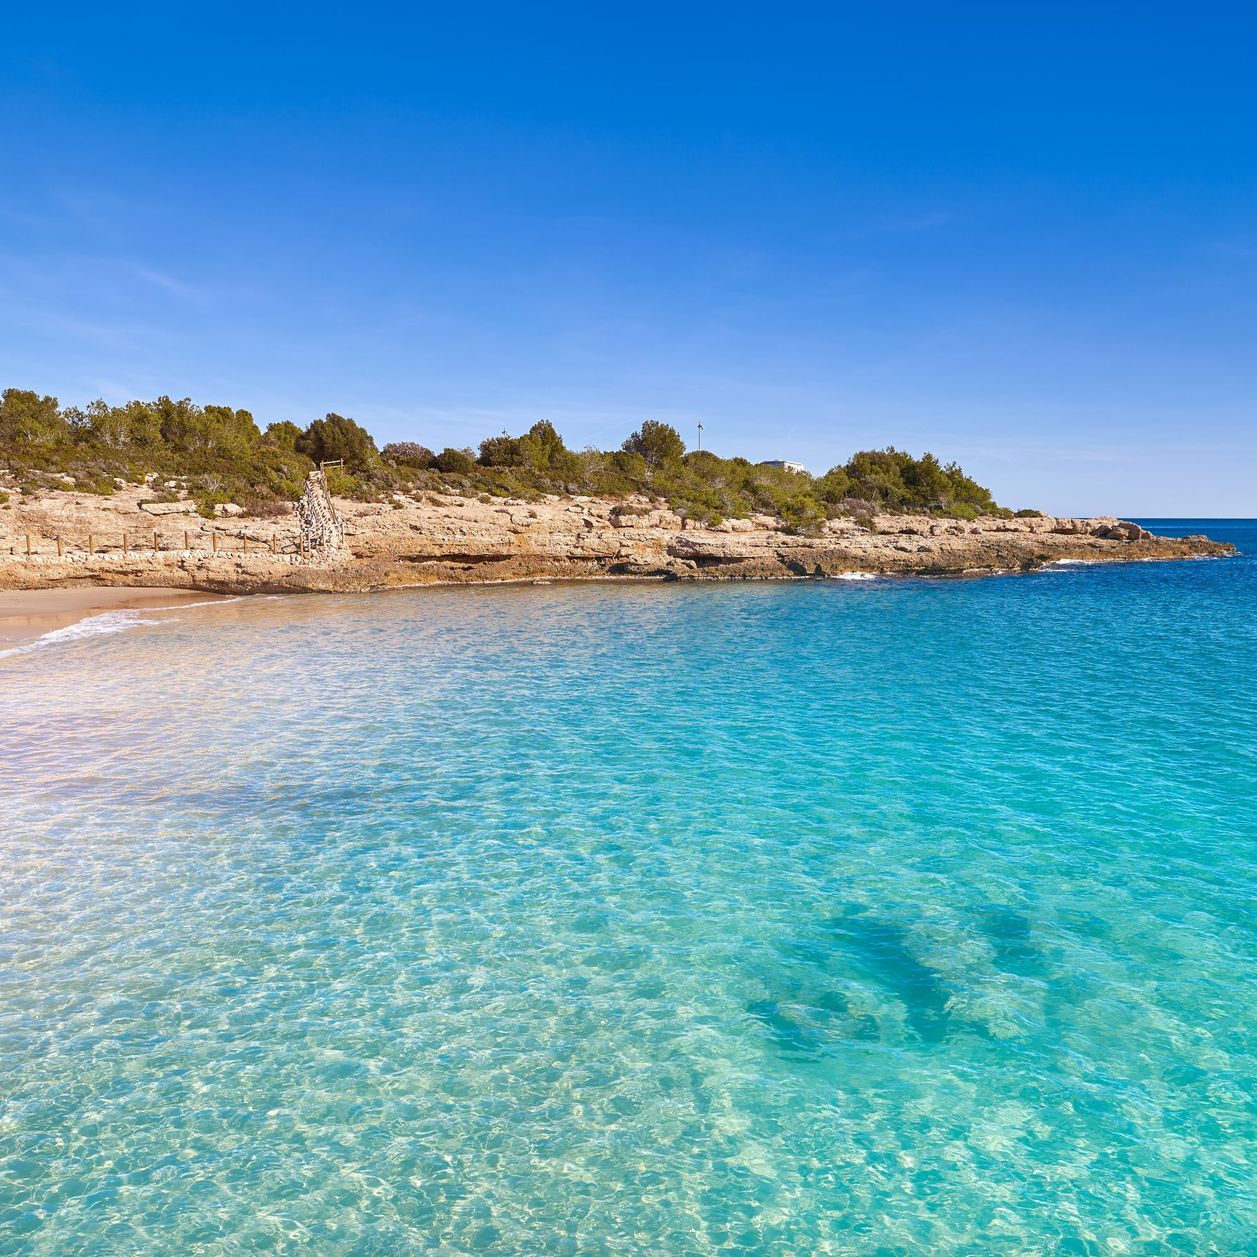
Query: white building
pixel 785 464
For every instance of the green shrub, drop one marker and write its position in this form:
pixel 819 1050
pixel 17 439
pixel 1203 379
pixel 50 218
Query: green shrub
pixel 285 434
pixel 408 454
pixel 102 485
pixel 342 483
pixel 221 455
pixel 658 443
pixel 456 462
pixel 207 499
pixel 802 514
pixel 335 437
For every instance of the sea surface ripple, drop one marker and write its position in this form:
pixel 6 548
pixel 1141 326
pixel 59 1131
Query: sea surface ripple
pixel 882 917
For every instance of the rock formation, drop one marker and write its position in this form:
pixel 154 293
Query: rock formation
pixel 433 539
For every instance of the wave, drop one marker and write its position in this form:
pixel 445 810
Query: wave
pixel 854 576
pixel 111 622
pixel 208 602
pixel 92 626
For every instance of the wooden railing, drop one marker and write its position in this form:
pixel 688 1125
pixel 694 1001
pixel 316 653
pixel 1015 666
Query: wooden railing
pixel 321 535
pixel 129 543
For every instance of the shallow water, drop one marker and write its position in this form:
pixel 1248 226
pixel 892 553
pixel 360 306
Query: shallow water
pixel 823 917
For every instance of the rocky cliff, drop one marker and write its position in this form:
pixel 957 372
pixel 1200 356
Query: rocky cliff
pixel 124 540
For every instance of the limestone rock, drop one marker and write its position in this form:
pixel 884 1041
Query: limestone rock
pixel 442 538
pixel 1121 530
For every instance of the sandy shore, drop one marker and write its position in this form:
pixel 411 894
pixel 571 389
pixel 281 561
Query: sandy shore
pixel 26 614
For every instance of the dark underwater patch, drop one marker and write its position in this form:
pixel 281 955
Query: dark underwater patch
pixel 880 948
pixel 808 1027
pixel 1011 935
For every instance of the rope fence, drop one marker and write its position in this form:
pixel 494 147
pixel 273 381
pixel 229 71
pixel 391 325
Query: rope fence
pixel 321 536
pixel 126 544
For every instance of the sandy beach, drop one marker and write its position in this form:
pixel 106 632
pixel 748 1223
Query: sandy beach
pixel 26 614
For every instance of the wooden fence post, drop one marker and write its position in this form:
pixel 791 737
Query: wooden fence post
pixel 156 543
pixel 185 538
pixel 124 545
pixel 60 552
pixel 28 545
pixel 214 539
pixel 91 545
pixel 273 544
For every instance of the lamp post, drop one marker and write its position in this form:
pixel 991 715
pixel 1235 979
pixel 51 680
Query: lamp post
pixel 700 437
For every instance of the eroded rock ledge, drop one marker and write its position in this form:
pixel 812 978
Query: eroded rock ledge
pixel 441 540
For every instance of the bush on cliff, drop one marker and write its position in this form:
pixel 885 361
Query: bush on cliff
pixel 335 437
pixel 217 453
pixel 28 419
pixel 658 443
pixel 408 454
pixel 455 462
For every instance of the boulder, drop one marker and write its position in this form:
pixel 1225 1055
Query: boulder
pixel 1121 530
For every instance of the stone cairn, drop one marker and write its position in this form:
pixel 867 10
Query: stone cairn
pixel 322 529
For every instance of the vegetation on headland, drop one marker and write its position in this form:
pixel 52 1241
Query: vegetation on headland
pixel 219 454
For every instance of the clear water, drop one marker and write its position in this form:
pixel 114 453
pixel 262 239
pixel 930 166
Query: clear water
pixel 829 917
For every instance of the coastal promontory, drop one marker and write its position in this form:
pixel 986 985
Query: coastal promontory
pixel 171 493
pixel 432 538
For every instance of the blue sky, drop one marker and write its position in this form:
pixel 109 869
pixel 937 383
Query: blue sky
pixel 1022 236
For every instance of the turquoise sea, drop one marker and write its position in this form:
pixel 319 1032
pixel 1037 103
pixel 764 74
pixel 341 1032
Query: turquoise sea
pixel 859 917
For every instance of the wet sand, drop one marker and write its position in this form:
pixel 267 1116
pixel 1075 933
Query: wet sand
pixel 26 614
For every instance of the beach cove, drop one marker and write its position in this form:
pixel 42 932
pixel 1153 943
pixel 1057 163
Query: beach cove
pixel 805 916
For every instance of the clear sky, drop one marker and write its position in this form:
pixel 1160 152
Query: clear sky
pixel 1020 235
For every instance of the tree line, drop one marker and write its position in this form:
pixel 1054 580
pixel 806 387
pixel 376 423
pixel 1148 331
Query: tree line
pixel 220 453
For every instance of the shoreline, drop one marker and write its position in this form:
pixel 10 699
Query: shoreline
pixel 26 615
pixel 96 585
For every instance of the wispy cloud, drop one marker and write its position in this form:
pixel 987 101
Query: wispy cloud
pixel 109 278
pixel 908 226
pixel 160 280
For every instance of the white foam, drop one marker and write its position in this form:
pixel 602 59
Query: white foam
pixel 208 602
pixel 854 576
pixel 92 626
pixel 111 622
pixel 114 622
